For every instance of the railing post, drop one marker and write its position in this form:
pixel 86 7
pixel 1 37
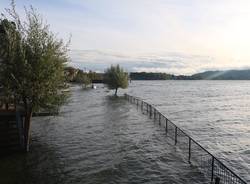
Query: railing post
pixel 154 113
pixel 166 128
pixel 212 174
pixel 217 180
pixel 175 140
pixel 189 150
pixel 159 119
pixel 147 108
pixel 150 111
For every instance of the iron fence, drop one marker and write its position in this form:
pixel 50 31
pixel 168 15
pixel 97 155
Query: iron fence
pixel 212 168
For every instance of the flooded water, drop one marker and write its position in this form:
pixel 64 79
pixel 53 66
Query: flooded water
pixel 215 113
pixel 98 139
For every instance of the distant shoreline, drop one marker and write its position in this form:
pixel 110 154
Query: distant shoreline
pixel 207 75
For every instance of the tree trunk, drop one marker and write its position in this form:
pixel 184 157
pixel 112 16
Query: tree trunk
pixel 115 91
pixel 27 124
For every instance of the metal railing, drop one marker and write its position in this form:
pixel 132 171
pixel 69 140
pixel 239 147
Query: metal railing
pixel 212 168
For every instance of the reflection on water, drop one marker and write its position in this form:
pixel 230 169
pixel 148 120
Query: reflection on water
pixel 98 139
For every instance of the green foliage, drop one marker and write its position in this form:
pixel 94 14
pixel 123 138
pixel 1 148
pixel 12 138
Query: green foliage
pixel 150 76
pixel 115 78
pixel 32 60
pixel 82 78
pixel 78 76
pixel 95 76
pixel 86 80
pixel 70 73
pixel 7 29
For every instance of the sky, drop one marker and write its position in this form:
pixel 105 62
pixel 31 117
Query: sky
pixel 173 36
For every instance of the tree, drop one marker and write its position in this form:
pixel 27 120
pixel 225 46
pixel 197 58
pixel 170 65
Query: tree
pixel 5 52
pixel 82 77
pixel 86 81
pixel 70 73
pixel 115 78
pixel 32 63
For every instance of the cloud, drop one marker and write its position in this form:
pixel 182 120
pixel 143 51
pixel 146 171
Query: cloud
pixel 175 63
pixel 178 35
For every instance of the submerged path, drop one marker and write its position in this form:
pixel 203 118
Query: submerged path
pixel 97 139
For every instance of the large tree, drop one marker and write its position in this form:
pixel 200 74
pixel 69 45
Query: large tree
pixel 32 63
pixel 116 77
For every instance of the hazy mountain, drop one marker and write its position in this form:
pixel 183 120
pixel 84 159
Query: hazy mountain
pixel 223 75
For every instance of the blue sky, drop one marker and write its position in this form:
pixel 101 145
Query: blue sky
pixel 174 36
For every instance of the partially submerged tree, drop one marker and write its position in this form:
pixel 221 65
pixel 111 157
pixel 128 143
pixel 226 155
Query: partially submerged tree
pixel 32 63
pixel 115 78
pixel 86 81
pixel 82 78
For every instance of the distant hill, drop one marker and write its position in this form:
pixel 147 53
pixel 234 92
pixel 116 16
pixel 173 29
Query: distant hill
pixel 208 75
pixel 223 75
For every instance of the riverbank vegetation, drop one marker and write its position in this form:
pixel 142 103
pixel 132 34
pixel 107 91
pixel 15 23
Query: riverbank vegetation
pixel 76 75
pixel 158 76
pixel 32 61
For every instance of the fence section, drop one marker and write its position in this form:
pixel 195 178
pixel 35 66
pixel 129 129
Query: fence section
pixel 213 169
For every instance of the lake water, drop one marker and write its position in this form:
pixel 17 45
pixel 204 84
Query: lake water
pixel 100 139
pixel 215 113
